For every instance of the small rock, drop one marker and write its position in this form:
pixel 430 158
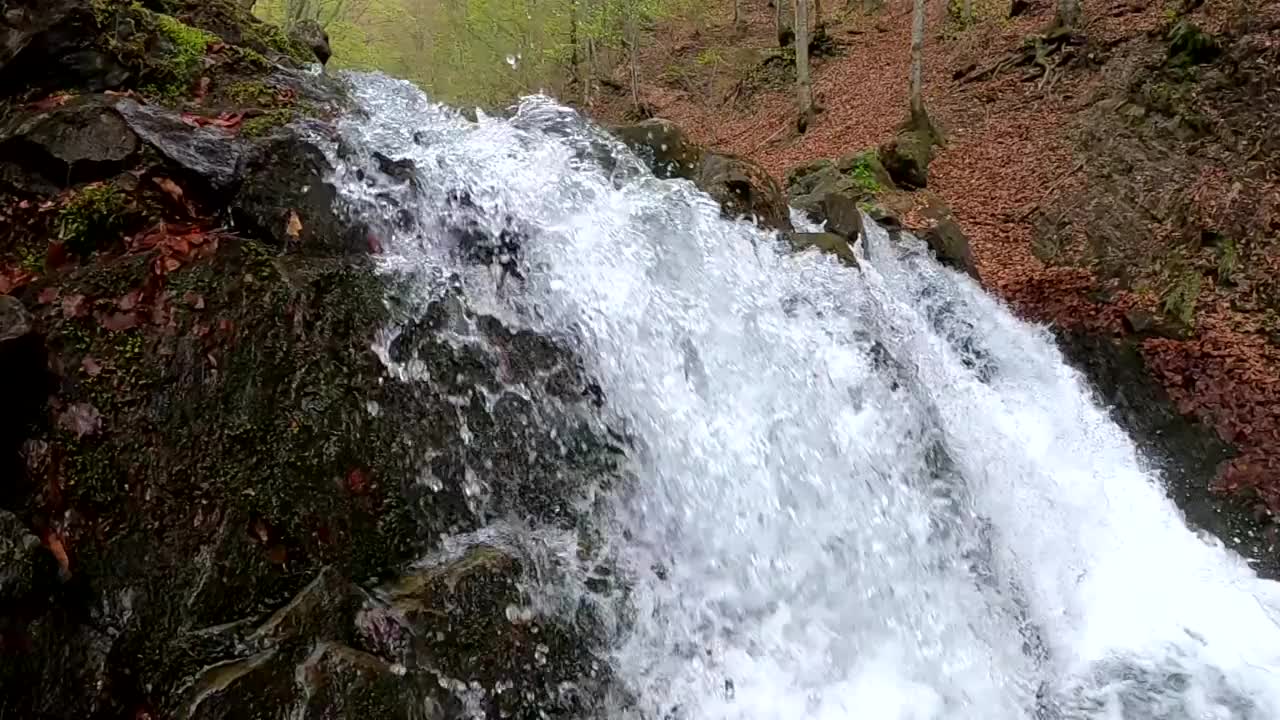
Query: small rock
pixel 843 215
pixel 826 242
pixel 15 321
pixel 951 247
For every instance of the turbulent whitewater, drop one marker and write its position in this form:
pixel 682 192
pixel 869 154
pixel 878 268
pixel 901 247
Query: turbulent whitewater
pixel 859 493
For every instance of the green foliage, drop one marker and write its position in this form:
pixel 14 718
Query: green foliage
pixel 1228 260
pixel 1180 296
pixel 1189 45
pixel 264 124
pixel 91 217
pixel 183 55
pixel 482 52
pixel 863 174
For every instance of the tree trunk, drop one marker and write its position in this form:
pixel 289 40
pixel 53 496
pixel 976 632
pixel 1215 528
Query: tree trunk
pixel 1068 14
pixel 737 15
pixel 966 13
pixel 804 90
pixel 817 13
pixel 919 118
pixel 575 72
pixel 783 22
pixel 633 50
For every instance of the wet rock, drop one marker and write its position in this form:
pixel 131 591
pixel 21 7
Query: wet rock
pixel 946 239
pixel 741 186
pixel 842 214
pixel 664 147
pixel 210 154
pixel 826 242
pixel 312 35
pixel 285 198
pixel 744 189
pixel 403 170
pixel 467 617
pixel 906 158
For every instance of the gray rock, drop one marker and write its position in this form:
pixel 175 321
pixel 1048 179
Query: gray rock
pixel 744 189
pixel 906 158
pixel 663 146
pixel 82 141
pixel 209 153
pixel 15 321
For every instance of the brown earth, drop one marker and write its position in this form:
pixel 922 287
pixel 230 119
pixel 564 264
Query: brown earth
pixel 1132 194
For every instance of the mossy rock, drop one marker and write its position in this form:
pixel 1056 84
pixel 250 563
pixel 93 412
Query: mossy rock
pixel 832 243
pixel 907 156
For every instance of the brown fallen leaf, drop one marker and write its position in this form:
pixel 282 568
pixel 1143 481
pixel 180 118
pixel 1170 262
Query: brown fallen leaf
pixel 293 228
pixel 119 322
pixel 53 541
pixel 129 301
pixel 73 306
pixel 81 419
pixel 47 295
pixel 171 188
pixel 91 367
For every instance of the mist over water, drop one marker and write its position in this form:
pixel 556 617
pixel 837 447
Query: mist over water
pixel 860 493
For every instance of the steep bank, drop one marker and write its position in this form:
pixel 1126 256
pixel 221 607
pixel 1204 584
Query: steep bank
pixel 1126 196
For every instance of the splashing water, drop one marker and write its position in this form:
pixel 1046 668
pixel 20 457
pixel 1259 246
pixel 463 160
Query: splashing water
pixel 860 493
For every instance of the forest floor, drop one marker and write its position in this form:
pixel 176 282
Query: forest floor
pixel 1119 198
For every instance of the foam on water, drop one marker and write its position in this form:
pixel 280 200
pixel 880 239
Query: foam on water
pixel 861 493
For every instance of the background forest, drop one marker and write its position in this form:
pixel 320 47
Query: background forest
pixel 484 51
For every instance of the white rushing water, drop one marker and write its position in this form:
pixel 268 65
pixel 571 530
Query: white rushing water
pixel 866 494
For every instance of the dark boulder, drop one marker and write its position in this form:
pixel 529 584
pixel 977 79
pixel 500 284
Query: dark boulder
pixel 83 140
pixel 24 385
pixel 664 147
pixel 285 197
pixel 741 186
pixel 946 239
pixel 744 189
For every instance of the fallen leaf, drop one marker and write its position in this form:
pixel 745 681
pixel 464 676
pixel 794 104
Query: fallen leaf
pixel 194 300
pixel 53 541
pixel 91 367
pixel 129 301
pixel 171 188
pixel 202 88
pixel 119 322
pixel 51 102
pixel 358 482
pixel 171 264
pixel 47 295
pixel 293 228
pixel 73 306
pixel 81 419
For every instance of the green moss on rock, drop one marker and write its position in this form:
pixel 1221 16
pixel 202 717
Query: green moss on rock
pixel 94 216
pixel 267 123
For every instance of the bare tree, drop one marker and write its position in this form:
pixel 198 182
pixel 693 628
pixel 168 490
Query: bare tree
pixel 919 118
pixel 804 89
pixel 783 22
pixel 966 12
pixel 737 15
pixel 1068 15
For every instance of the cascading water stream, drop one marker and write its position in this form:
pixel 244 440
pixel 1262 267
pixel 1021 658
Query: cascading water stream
pixel 859 493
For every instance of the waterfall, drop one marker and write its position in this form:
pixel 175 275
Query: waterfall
pixel 859 493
